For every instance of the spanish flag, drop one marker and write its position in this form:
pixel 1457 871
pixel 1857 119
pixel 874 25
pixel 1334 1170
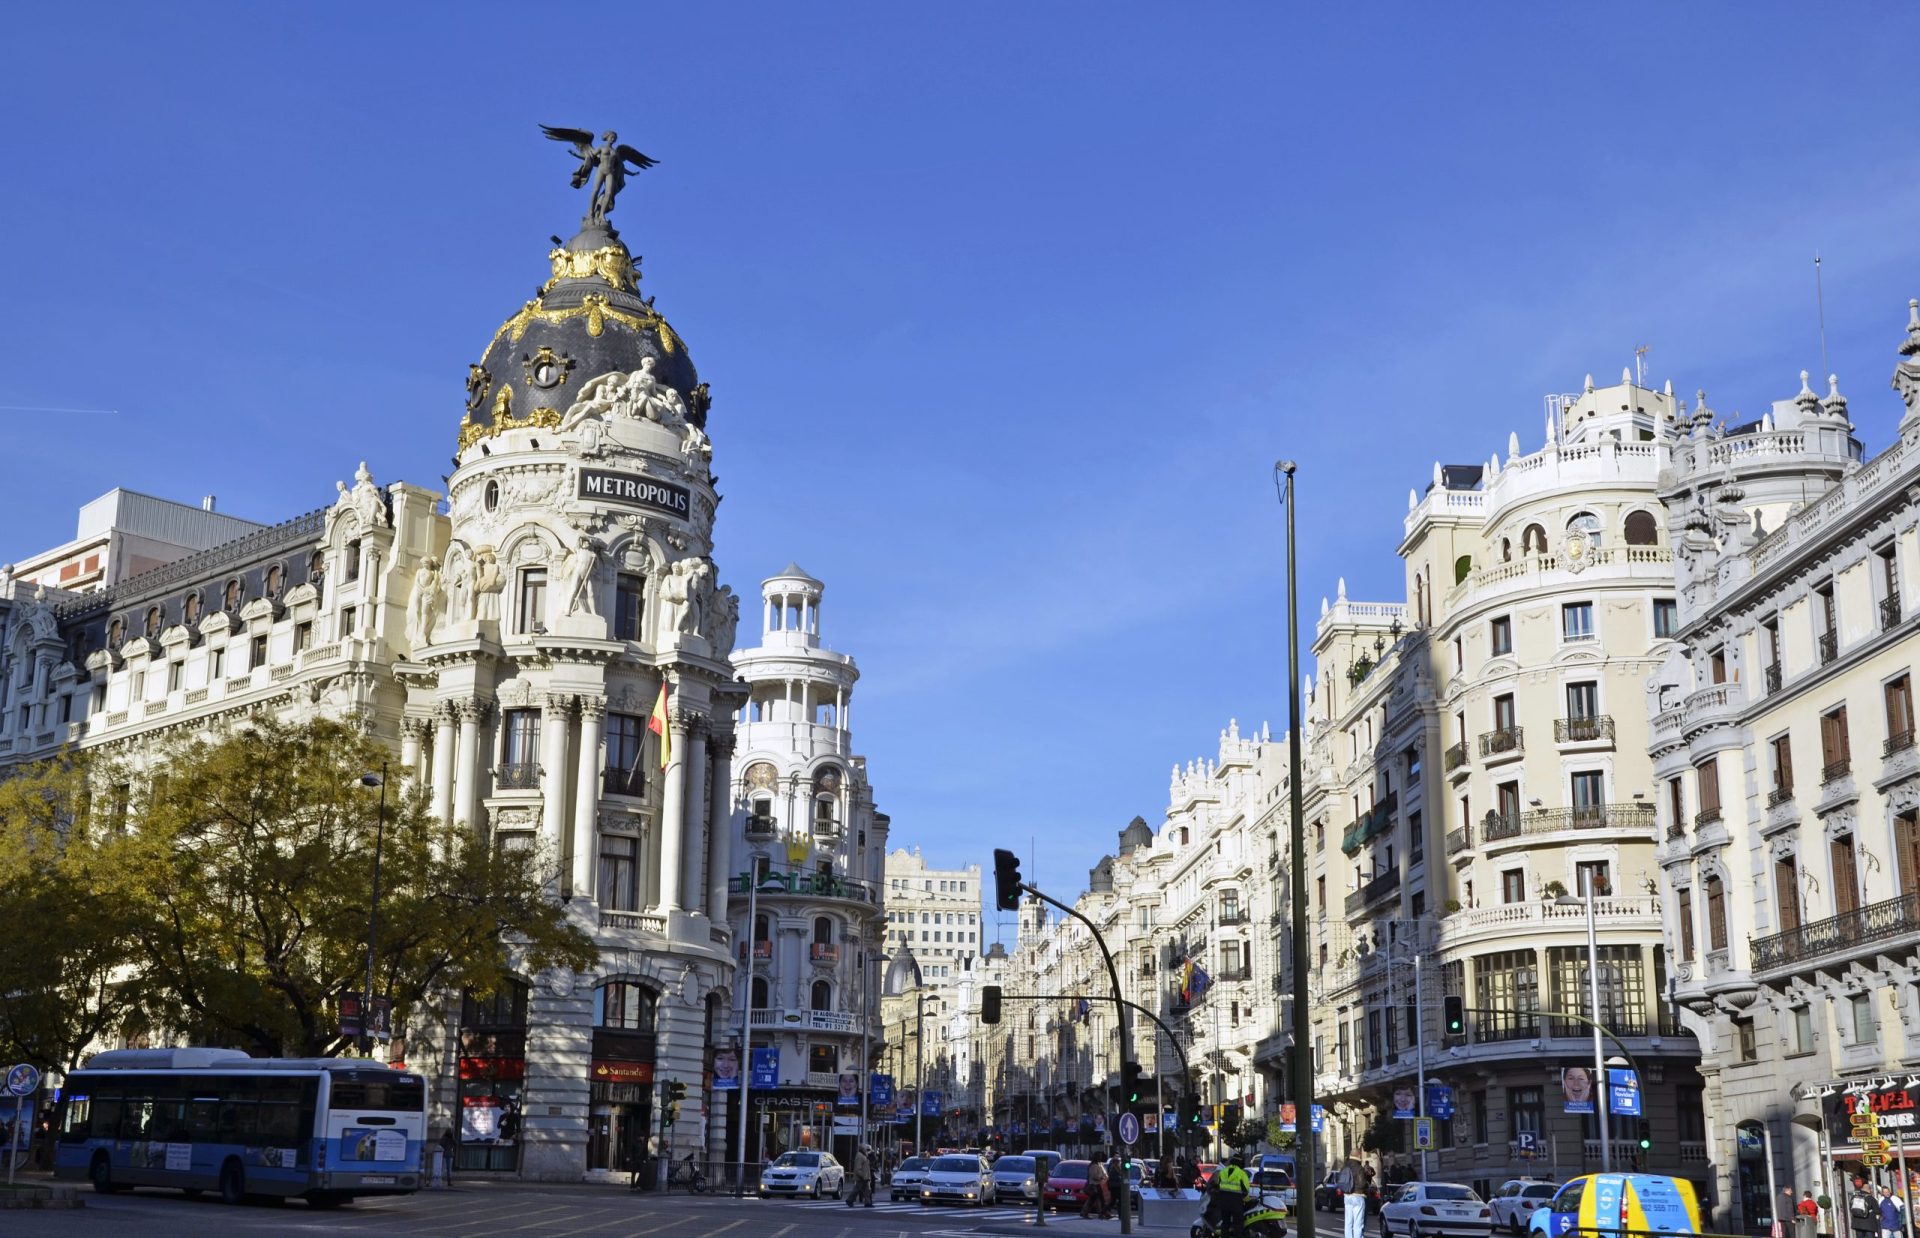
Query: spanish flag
pixel 658 725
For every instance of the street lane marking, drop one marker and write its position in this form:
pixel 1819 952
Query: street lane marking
pixel 723 1229
pixel 518 1216
pixel 663 1225
pixel 784 1229
pixel 546 1221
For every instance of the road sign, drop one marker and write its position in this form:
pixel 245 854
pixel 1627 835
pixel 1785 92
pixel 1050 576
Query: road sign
pixel 1623 1092
pixel 22 1080
pixel 1319 1118
pixel 1527 1144
pixel 1128 1128
pixel 1423 1134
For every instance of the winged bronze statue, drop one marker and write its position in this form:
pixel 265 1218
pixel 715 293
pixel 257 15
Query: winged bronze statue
pixel 605 165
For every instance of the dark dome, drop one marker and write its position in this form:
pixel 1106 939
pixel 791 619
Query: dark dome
pixel 1137 834
pixel 588 320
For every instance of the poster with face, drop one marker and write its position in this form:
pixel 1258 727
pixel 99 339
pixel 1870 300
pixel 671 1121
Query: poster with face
pixel 1403 1103
pixel 1576 1085
pixel 849 1097
pixel 726 1070
pixel 480 1119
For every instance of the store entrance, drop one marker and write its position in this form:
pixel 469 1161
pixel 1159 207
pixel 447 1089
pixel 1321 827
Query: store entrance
pixel 620 1121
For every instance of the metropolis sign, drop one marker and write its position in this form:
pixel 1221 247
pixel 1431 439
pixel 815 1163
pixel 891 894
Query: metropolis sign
pixel 605 486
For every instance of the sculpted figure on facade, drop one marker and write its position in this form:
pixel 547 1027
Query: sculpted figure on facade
pixel 638 396
pixel 576 574
pixel 367 499
pixel 426 603
pixel 683 591
pixel 725 610
pixel 488 583
pixel 458 587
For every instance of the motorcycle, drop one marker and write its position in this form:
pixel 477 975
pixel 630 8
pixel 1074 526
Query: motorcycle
pixel 1265 1217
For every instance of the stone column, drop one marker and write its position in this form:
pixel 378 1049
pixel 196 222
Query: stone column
pixel 694 837
pixel 719 823
pixel 586 796
pixel 556 723
pixel 412 731
pixel 673 813
pixel 443 744
pixel 466 795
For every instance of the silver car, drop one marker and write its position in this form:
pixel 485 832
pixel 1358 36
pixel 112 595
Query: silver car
pixel 961 1177
pixel 908 1177
pixel 1014 1178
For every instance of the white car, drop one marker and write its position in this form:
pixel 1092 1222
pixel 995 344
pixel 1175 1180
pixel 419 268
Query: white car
pixel 908 1177
pixel 1014 1178
pixel 1431 1209
pixel 961 1177
pixel 803 1173
pixel 1516 1201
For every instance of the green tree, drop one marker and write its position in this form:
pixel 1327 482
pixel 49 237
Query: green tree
pixel 256 859
pixel 69 911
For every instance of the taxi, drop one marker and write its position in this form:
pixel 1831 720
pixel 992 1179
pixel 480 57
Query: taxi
pixel 1634 1202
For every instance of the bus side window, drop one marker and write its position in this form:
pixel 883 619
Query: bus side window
pixel 78 1119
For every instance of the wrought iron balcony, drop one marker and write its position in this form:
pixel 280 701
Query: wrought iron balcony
pixel 1890 611
pixel 518 776
pixel 1459 839
pixel 1231 916
pixel 1899 741
pixel 1496 827
pixel 760 826
pixel 1500 742
pixel 1456 756
pixel 1779 795
pixel 1583 730
pixel 1829 646
pixel 1836 769
pixel 1773 676
pixel 1839 934
pixel 629 782
pixel 1581 817
pixel 1707 816
pixel 1372 892
pixel 1370 825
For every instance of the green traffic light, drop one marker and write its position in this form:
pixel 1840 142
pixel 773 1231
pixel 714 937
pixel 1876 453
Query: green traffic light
pixel 1645 1143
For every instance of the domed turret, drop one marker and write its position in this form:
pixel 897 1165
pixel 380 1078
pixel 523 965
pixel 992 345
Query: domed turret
pixel 1137 834
pixel 588 320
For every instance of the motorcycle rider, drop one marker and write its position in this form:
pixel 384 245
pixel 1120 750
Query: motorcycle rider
pixel 1227 1202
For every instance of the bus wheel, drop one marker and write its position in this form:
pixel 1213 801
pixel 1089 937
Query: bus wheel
pixel 233 1183
pixel 102 1174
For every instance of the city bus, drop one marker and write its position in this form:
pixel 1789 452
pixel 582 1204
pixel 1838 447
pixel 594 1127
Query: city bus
pixel 324 1129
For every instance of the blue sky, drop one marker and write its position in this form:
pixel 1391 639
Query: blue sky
pixel 1007 309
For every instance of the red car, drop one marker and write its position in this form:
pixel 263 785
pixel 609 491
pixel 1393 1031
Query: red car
pixel 1067 1185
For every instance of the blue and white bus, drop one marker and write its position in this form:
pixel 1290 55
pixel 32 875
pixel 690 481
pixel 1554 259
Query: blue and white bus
pixel 325 1129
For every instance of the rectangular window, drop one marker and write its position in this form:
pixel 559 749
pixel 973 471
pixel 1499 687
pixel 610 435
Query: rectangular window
pixel 1717 665
pixel 1525 1113
pixel 1683 912
pixel 1786 892
pixel 176 672
pixel 626 772
pixel 257 652
pixel 1899 698
pixel 1416 837
pixel 629 600
pixel 139 693
pixel 1800 1031
pixel 1748 1042
pixel 619 861
pixel 1594 875
pixel 520 730
pixel 1478 1101
pixel 1782 746
pixel 1666 617
pixel 1507 805
pixel 302 636
pixel 1864 1031
pixel 1770 653
pixel 1716 914
pixel 351 569
pixel 1845 875
pixel 1708 774
pixel 1506 996
pixel 1513 886
pixel 216 664
pixel 1623 989
pixel 1576 621
pixel 823 1059
pixel 1503 712
pixel 1836 752
pixel 348 615
pixel 1583 701
pixel 1500 635
pixel 1676 806
pixel 1589 797
pixel 531 613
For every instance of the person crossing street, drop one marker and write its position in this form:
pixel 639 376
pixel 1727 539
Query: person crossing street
pixel 862 1180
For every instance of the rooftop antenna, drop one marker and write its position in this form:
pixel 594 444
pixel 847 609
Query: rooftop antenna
pixel 1820 302
pixel 1640 364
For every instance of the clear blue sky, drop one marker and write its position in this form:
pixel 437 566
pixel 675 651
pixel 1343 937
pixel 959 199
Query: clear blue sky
pixel 1007 308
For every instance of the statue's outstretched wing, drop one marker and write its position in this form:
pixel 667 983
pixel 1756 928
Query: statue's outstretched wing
pixel 582 139
pixel 633 156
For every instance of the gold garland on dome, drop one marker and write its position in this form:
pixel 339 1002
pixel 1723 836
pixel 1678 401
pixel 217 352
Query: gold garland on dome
pixel 596 311
pixel 610 263
pixel 472 431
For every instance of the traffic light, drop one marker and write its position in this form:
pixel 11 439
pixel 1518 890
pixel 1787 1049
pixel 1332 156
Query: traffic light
pixel 990 1004
pixel 1129 1084
pixel 1455 1007
pixel 676 1091
pixel 1006 880
pixel 1189 1112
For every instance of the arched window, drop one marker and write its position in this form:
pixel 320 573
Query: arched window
pixel 153 621
pixel 759 993
pixel 822 931
pixel 233 596
pixel 273 581
pixel 1533 540
pixel 1506 550
pixel 826 795
pixel 760 927
pixel 351 569
pixel 1462 568
pixel 1588 524
pixel 625 1005
pixel 1642 529
pixel 190 609
pixel 822 995
pixel 1419 597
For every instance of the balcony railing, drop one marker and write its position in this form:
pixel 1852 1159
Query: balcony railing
pixel 1836 769
pixel 630 782
pixel 759 826
pixel 1506 739
pixel 1890 612
pixel 1779 796
pixel 1899 741
pixel 825 826
pixel 1583 730
pixel 519 776
pixel 1677 828
pixel 1235 915
pixel 1496 827
pixel 1459 839
pixel 1707 816
pixel 761 950
pixel 1370 825
pixel 824 952
pixel 1381 886
pixel 1241 973
pixel 1773 676
pixel 1837 934
pixel 1456 756
pixel 1581 817
pixel 1829 646
pixel 816 885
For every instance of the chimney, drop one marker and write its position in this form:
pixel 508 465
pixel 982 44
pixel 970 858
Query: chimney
pixel 206 503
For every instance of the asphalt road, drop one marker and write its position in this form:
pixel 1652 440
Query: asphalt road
pixel 525 1212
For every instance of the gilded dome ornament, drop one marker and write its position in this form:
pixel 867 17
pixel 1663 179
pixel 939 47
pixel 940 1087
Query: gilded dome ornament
pixel 545 369
pixel 604 166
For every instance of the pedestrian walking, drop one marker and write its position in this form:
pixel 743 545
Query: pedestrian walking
pixel 1863 1211
pixel 1353 1194
pixel 1095 1199
pixel 862 1179
pixel 446 1157
pixel 1889 1211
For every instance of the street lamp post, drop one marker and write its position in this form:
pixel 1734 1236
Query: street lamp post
pixel 373 906
pixel 1302 1063
pixel 1593 997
